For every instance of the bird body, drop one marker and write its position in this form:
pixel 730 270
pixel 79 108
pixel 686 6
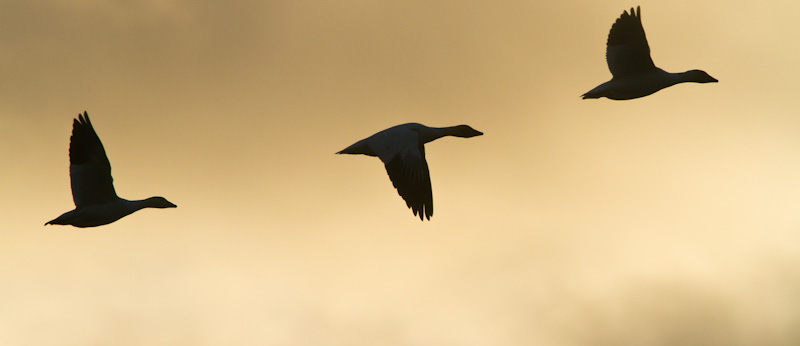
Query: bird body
pixel 96 201
pixel 633 73
pixel 105 213
pixel 402 150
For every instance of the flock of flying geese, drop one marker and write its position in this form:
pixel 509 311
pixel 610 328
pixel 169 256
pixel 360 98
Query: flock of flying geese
pixel 401 148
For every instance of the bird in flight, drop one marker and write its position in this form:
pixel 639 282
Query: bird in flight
pixel 96 202
pixel 402 150
pixel 633 73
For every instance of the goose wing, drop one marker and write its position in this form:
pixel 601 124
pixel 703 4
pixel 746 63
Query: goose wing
pixel 410 176
pixel 627 51
pixel 89 169
pixel 403 155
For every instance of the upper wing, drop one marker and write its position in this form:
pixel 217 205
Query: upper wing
pixel 89 169
pixel 627 51
pixel 410 176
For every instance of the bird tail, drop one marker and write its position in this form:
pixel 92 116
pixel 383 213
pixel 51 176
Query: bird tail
pixel 359 147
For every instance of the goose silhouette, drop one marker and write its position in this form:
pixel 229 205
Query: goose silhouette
pixel 96 201
pixel 402 150
pixel 633 73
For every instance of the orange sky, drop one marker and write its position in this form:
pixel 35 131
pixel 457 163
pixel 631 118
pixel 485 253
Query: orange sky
pixel 666 220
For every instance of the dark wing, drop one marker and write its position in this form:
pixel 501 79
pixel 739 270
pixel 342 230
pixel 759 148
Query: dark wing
pixel 627 51
pixel 410 176
pixel 89 169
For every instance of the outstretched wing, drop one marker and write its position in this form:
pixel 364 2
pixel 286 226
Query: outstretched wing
pixel 627 51
pixel 410 176
pixel 89 169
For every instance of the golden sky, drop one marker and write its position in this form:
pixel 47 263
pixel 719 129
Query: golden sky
pixel 666 220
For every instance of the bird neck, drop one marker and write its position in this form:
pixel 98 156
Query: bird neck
pixel 138 204
pixel 682 77
pixel 433 133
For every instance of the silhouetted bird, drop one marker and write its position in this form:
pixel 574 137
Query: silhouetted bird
pixel 633 73
pixel 402 150
pixel 96 202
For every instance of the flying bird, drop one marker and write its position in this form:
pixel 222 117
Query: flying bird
pixel 402 150
pixel 633 73
pixel 96 202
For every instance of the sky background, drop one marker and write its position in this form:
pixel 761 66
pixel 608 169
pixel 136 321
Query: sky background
pixel 666 220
